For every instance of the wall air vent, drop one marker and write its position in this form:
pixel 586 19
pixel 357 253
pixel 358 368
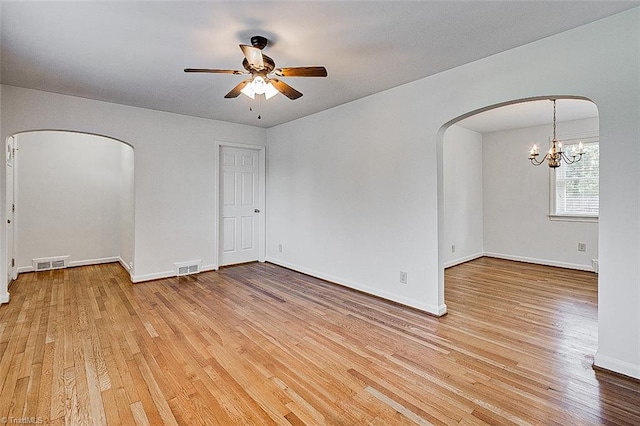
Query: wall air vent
pixel 43 266
pixel 48 263
pixel 188 268
pixel 56 264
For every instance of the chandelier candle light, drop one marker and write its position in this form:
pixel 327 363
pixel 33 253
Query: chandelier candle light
pixel 556 155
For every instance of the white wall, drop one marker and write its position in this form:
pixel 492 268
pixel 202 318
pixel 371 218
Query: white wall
pixel 68 197
pixel 175 170
pixel 463 195
pixel 346 193
pixel 356 193
pixel 126 229
pixel 516 194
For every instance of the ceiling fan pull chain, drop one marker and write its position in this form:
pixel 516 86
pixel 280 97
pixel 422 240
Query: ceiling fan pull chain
pixel 259 105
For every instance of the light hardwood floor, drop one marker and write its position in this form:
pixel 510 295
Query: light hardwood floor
pixel 259 344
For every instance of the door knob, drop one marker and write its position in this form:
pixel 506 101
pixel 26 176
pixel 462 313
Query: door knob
pixel 256 211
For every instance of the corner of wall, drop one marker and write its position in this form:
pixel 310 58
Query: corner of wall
pixel 617 366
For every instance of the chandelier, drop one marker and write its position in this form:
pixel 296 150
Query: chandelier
pixel 556 155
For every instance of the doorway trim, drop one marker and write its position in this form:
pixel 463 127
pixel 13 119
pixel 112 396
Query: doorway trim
pixel 262 173
pixel 10 234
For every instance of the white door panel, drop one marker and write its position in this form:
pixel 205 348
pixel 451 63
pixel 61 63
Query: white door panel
pixel 248 189
pixel 228 234
pixel 229 159
pixel 246 233
pixel 240 205
pixel 229 189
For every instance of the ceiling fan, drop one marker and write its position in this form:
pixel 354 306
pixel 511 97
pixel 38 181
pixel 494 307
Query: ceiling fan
pixel 262 69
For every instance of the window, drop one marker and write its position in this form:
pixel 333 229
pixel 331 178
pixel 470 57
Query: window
pixel 575 187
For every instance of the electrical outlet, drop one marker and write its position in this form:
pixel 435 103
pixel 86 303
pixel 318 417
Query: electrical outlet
pixel 403 277
pixel 280 248
pixel 453 248
pixel 582 246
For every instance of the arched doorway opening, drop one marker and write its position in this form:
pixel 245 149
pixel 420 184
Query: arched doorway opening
pixel 71 199
pixel 493 202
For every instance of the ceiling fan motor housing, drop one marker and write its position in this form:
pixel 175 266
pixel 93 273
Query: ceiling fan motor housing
pixel 269 66
pixel 259 42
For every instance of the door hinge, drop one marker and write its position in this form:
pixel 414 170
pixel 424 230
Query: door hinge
pixel 13 263
pixel 13 208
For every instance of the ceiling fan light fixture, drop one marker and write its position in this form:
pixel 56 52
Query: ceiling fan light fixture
pixel 270 91
pixel 258 85
pixel 247 90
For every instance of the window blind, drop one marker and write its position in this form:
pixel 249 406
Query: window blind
pixel 577 184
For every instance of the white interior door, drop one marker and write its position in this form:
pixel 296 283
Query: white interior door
pixel 11 266
pixel 240 222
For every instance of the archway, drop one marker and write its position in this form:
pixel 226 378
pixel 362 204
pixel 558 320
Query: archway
pixel 73 200
pixel 509 169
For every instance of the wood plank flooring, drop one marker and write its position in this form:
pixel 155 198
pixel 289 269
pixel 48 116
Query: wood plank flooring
pixel 259 344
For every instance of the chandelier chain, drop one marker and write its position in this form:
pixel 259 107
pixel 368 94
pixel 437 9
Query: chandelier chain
pixel 554 119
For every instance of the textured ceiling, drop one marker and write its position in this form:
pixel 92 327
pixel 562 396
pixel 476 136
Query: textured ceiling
pixel 134 53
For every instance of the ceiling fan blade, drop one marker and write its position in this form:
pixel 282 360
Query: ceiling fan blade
pixel 253 55
pixel 236 90
pixel 302 72
pixel 213 71
pixel 285 89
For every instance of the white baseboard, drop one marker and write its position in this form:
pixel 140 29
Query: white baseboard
pixel 124 264
pixel 206 268
pixel 88 262
pixel 134 278
pixel 540 261
pixel 166 274
pixel 154 276
pixel 73 264
pixel 469 258
pixel 4 297
pixel 430 309
pixel 617 366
